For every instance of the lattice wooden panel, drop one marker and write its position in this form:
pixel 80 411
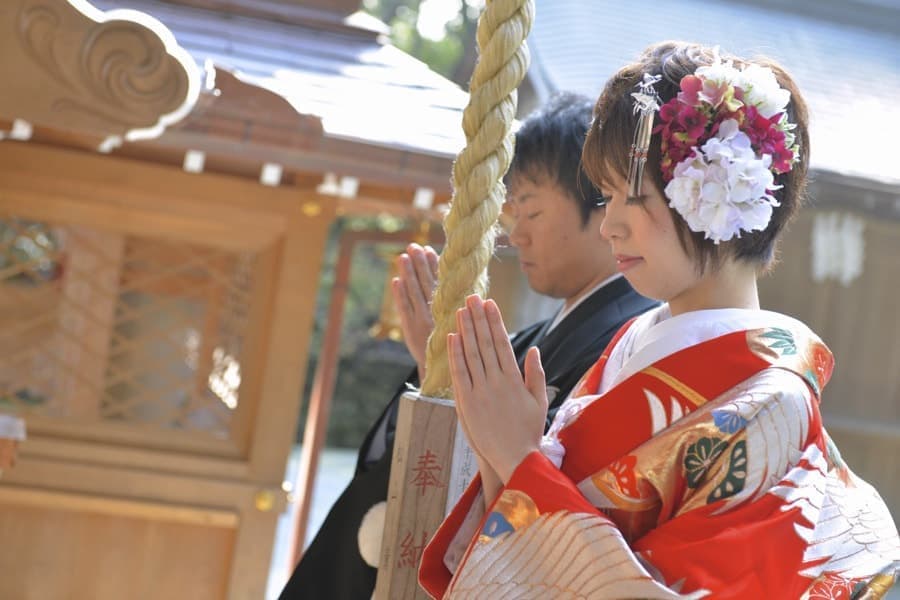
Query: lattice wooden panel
pixel 99 326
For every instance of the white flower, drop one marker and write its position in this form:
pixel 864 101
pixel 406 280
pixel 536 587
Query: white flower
pixel 684 191
pixel 723 188
pixel 762 90
pixel 729 142
pixel 720 72
pixel 760 87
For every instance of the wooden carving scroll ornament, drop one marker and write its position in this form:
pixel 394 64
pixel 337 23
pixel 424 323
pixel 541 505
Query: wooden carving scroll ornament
pixel 69 66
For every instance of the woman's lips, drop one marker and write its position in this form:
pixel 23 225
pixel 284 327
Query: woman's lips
pixel 627 262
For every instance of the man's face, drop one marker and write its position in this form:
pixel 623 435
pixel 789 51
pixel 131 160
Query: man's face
pixel 561 256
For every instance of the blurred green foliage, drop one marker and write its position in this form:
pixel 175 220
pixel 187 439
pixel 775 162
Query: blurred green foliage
pixel 369 370
pixel 453 55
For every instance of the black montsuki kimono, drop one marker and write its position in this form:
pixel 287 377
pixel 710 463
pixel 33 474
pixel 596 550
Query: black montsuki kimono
pixel 332 567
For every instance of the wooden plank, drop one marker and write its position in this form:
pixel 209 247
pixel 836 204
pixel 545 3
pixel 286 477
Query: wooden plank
pixel 417 492
pixel 81 451
pixel 122 182
pixel 104 505
pixel 252 554
pixel 65 206
pixel 134 435
pixel 128 483
pixel 373 206
pixel 78 555
pixel 166 188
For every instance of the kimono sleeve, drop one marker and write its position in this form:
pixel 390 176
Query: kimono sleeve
pixel 543 537
pixel 754 511
pixel 434 572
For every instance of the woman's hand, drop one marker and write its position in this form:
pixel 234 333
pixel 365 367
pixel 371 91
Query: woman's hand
pixel 412 289
pixel 502 415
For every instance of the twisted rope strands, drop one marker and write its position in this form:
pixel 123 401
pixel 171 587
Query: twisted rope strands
pixel 478 190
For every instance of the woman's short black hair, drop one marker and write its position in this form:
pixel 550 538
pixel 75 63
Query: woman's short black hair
pixel 548 148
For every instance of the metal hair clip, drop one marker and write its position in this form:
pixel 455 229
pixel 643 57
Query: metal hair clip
pixel 646 102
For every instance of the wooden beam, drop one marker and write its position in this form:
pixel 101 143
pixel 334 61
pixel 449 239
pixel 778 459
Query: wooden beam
pixel 152 511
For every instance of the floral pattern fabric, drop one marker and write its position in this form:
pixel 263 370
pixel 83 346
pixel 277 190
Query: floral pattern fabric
pixel 706 474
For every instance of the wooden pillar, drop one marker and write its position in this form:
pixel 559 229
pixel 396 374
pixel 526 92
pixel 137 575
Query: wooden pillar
pixel 320 397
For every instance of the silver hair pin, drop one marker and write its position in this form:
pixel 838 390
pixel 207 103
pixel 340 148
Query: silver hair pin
pixel 646 102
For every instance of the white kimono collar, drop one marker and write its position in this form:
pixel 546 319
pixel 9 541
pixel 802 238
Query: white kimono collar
pixel 656 334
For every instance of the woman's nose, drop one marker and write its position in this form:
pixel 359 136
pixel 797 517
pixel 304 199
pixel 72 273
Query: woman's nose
pixel 611 226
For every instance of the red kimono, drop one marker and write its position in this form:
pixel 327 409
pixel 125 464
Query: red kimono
pixel 702 471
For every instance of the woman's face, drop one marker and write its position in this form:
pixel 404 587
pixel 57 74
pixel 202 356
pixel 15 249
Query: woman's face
pixel 645 242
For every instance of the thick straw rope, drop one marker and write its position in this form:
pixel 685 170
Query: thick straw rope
pixel 478 190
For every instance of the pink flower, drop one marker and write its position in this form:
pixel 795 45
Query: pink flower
pixel 782 159
pixel 768 138
pixel 682 127
pixel 759 129
pixel 718 93
pixel 691 85
pixel 692 122
pixel 673 156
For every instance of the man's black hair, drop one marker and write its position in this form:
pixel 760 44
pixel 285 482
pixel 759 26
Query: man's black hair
pixel 548 149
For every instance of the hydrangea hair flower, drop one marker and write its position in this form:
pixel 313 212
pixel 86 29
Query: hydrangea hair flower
pixel 725 137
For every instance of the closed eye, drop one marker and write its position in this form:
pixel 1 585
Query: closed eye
pixel 533 215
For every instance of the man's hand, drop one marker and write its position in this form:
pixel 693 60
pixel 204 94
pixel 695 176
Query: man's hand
pixel 502 415
pixel 412 289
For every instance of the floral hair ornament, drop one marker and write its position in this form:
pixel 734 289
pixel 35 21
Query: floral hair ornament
pixel 724 138
pixel 646 103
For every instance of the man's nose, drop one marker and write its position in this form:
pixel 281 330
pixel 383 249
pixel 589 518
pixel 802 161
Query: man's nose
pixel 517 235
